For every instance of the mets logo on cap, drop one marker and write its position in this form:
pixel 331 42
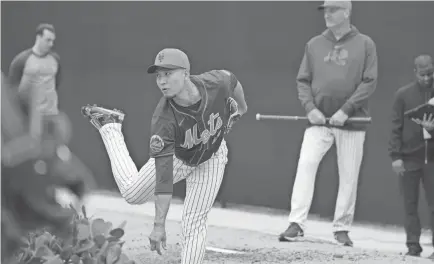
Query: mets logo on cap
pixel 156 144
pixel 161 57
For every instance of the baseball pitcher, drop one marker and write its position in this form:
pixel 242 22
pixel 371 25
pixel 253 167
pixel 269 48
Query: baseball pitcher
pixel 187 142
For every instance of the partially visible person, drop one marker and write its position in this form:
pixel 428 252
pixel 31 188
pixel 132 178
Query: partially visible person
pixel 31 170
pixel 337 77
pixel 411 148
pixel 36 73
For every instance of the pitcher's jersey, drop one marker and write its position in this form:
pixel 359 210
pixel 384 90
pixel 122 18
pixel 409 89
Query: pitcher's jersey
pixel 193 134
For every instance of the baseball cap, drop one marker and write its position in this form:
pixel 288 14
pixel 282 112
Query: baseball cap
pixel 170 58
pixel 341 4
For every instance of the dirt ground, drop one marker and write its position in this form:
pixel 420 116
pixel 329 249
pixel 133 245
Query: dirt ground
pixel 252 247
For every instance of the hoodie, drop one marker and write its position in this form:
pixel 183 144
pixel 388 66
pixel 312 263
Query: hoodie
pixel 338 74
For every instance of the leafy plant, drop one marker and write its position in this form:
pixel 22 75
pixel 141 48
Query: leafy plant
pixel 90 241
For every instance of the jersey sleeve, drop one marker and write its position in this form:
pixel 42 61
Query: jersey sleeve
pixel 228 80
pixel 221 79
pixel 164 175
pixel 16 69
pixel 162 141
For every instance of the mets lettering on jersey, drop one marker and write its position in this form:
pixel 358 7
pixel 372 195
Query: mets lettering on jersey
pixel 193 133
pixel 191 140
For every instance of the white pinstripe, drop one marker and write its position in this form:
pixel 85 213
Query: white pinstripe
pixel 137 187
pixel 316 143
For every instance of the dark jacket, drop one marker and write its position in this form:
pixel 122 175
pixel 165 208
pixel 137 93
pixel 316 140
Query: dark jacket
pixel 337 75
pixel 406 139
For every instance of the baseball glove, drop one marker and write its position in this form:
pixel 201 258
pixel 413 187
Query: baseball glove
pixel 234 115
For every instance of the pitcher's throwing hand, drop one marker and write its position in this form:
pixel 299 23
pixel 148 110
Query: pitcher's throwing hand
pixel 158 239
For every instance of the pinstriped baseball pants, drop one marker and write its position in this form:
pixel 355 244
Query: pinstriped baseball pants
pixel 137 187
pixel 317 141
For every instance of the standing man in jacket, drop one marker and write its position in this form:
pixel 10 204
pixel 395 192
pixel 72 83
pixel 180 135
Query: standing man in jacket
pixel 337 76
pixel 411 148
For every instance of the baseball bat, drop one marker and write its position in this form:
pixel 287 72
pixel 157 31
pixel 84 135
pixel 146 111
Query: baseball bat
pixel 352 120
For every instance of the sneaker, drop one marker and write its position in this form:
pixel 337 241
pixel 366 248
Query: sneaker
pixel 414 251
pixel 342 238
pixel 100 116
pixel 293 231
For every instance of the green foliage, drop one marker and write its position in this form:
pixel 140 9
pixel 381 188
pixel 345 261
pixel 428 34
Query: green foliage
pixel 91 241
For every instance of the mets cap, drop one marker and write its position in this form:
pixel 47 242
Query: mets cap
pixel 170 58
pixel 340 4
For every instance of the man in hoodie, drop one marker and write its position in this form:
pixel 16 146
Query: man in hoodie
pixel 337 76
pixel 411 148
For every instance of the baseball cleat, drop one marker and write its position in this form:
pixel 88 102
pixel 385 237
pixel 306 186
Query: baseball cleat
pixel 291 233
pixel 99 116
pixel 414 250
pixel 342 238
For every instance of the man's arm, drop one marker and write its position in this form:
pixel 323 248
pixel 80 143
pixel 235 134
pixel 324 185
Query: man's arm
pixel 162 145
pixel 236 91
pixel 58 76
pixel 59 70
pixel 304 80
pixel 238 95
pixel 431 131
pixel 163 188
pixel 35 114
pixel 16 70
pixel 369 81
pixel 397 124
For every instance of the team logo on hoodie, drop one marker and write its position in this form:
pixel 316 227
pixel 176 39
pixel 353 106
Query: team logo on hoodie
pixel 338 55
